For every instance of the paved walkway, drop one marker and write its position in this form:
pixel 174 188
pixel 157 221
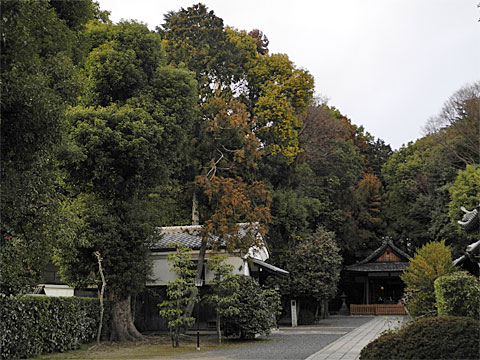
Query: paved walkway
pixel 335 338
pixel 348 347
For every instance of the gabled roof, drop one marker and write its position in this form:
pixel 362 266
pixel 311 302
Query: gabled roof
pixel 386 243
pixel 370 265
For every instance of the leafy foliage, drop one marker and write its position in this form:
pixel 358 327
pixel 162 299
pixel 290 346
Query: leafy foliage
pixel 418 176
pixel 457 295
pixel 179 293
pixel 230 297
pixel 126 134
pixel 252 311
pixel 465 192
pixel 196 38
pixel 443 337
pixel 39 80
pixel 429 263
pixel 224 290
pixel 314 265
pixel 30 326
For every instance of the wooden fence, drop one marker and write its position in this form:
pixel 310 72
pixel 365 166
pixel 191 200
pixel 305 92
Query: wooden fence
pixel 377 309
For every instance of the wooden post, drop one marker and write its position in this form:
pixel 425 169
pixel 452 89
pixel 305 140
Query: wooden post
pixel 368 291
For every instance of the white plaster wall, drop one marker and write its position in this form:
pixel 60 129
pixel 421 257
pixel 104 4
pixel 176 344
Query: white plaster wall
pixel 161 273
pixel 58 290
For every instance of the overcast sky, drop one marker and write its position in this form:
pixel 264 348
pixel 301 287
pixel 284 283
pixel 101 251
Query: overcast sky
pixel 386 64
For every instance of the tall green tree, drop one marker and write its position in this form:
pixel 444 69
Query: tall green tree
pixel 417 180
pixel 365 225
pixel 126 137
pixel 418 176
pixel 314 265
pixel 331 169
pixel 196 38
pixel 39 80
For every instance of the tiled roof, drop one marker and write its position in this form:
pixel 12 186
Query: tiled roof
pixel 192 241
pixel 185 235
pixel 379 267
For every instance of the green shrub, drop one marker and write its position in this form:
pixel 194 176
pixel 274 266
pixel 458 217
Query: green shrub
pixel 253 311
pixel 31 325
pixel 306 317
pixel 458 295
pixel 430 262
pixel 443 337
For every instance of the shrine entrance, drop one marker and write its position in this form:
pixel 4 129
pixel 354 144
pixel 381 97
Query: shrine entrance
pixel 376 281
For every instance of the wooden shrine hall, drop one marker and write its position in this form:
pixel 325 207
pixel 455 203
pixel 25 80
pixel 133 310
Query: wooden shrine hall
pixel 374 283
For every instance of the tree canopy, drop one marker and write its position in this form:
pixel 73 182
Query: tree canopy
pixel 109 130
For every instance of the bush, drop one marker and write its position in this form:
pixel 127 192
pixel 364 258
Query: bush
pixel 430 262
pixel 254 312
pixel 31 325
pixel 458 295
pixel 306 317
pixel 443 337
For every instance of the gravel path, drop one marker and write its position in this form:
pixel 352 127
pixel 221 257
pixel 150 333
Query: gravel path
pixel 287 343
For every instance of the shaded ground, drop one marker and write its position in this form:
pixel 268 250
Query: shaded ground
pixel 287 343
pixel 152 347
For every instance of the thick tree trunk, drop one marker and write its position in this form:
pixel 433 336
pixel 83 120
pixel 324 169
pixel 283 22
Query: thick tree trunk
pixel 123 328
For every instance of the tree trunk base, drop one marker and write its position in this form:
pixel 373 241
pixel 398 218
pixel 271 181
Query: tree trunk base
pixel 123 328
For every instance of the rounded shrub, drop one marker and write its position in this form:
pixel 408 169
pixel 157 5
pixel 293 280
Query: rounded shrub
pixel 253 311
pixel 443 337
pixel 458 295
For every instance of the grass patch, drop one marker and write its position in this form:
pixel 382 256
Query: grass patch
pixel 152 346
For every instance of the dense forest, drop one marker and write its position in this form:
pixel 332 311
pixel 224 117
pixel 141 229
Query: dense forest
pixel 110 130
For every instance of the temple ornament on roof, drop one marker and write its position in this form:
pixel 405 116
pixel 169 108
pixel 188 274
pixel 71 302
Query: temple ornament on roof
pixel 470 220
pixel 470 223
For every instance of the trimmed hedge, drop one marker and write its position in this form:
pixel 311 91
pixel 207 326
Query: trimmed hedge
pixel 458 295
pixel 32 325
pixel 443 337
